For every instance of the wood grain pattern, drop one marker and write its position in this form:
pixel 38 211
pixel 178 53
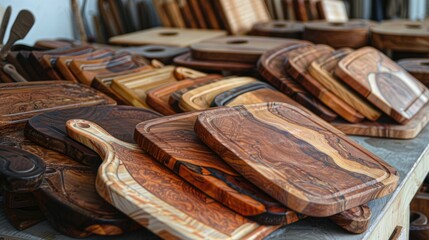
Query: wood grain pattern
pixel 418 67
pixel 173 142
pixel 48 129
pixel 278 28
pixel 383 83
pixel 188 61
pixel 200 98
pixel 261 96
pixel 271 67
pixel 173 12
pixel 355 220
pixel 158 98
pixel 223 98
pixel 338 174
pixel 165 21
pixel 297 66
pixel 198 13
pixel 21 101
pixel 323 69
pixel 165 54
pixel 211 16
pixel 168 206
pixel 185 9
pixel 236 48
pixel 300 10
pixel 166 36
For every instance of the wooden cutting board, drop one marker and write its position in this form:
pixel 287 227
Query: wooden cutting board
pixel 223 98
pixel 337 35
pixel 401 35
pixel 297 66
pixel 383 83
pixel 303 162
pixel 200 98
pixel 418 67
pixel 271 67
pixel 173 142
pixel 300 10
pixel 211 14
pixel 260 96
pixel 355 220
pixel 240 15
pixel 166 36
pixel 165 54
pixel 333 10
pixel 48 129
pixel 21 101
pixel 158 98
pixel 188 61
pixel 278 28
pixel 323 69
pixel 134 89
pixel 154 196
pixel 236 48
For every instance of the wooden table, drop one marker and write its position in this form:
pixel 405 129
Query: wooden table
pixel 410 157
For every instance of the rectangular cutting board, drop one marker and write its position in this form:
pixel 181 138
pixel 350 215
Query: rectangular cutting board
pixel 301 161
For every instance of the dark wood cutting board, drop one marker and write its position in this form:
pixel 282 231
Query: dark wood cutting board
pixel 418 67
pixel 223 98
pixel 246 49
pixel 187 60
pixel 279 28
pixel 161 53
pixel 21 101
pixel 297 66
pixel 271 67
pixel 383 83
pixel 301 161
pixel 48 129
pixel 154 196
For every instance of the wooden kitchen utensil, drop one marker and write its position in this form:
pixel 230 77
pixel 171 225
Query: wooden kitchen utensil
pixel 223 98
pixel 383 83
pixel 310 167
pixel 4 23
pixel 162 207
pixel 279 28
pixel 200 98
pixel 323 69
pixel 48 129
pixel 161 53
pixel 418 67
pixel 173 142
pixel 21 101
pixel 158 98
pixel 297 66
pixel 166 36
pixel 187 60
pixel 236 48
pixel 271 67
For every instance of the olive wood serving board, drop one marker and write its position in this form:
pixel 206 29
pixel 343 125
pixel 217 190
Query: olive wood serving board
pixel 383 83
pixel 154 196
pixel 21 101
pixel 297 66
pixel 166 36
pixel 322 69
pixel 200 98
pixel 48 129
pixel 165 54
pixel 188 61
pixel 278 28
pixel 301 161
pixel 271 67
pixel 246 49
pixel 158 98
pixel 173 142
pixel 418 67
pixel 223 98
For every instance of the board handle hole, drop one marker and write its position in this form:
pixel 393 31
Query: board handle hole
pixel 155 50
pixel 280 25
pixel 167 34
pixel 238 41
pixel 83 125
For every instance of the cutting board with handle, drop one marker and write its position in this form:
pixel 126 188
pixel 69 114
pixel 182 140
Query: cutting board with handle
pixel 301 161
pixel 271 67
pixel 278 28
pixel 246 49
pixel 383 83
pixel 200 98
pixel 188 61
pixel 223 98
pixel 322 69
pixel 21 101
pixel 166 36
pixel 173 142
pixel 418 67
pixel 297 66
pixel 48 129
pixel 154 196
pixel 158 98
pixel 165 54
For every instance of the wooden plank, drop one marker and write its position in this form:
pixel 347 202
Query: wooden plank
pixel 198 13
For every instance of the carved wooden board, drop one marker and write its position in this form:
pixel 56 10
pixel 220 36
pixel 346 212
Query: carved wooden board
pixel 303 162
pixel 383 83
pixel 158 98
pixel 240 15
pixel 21 101
pixel 236 48
pixel 323 69
pixel 418 67
pixel 166 36
pixel 200 98
pixel 154 196
pixel 297 66
pixel 223 98
pixel 48 129
pixel 271 67
pixel 279 28
pixel 165 54
pixel 172 141
pixel 188 61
